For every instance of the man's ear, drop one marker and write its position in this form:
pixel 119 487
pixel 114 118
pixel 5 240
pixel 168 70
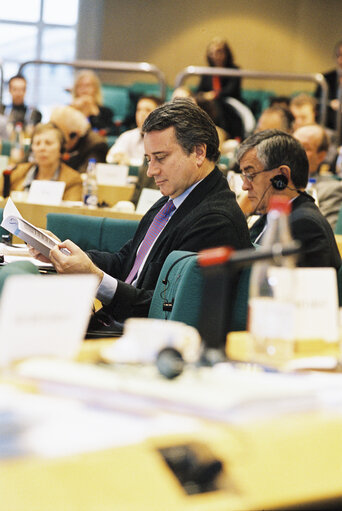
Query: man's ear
pixel 286 171
pixel 200 153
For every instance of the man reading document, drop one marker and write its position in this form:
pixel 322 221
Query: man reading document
pixel 198 211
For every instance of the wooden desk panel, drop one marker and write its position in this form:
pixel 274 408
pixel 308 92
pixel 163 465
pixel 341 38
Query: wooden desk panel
pixel 36 213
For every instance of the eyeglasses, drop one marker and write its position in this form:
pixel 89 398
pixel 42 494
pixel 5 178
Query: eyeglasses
pixel 250 177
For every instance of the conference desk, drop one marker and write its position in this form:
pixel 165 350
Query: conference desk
pixel 36 213
pixel 270 460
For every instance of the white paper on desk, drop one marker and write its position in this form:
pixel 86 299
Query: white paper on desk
pixel 44 315
pixel 46 192
pixel 147 198
pixel 111 174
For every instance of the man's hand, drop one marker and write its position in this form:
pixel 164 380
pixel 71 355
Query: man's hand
pixel 75 262
pixel 36 254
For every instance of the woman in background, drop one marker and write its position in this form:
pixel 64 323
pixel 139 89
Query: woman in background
pixel 47 145
pixel 87 98
pixel 213 90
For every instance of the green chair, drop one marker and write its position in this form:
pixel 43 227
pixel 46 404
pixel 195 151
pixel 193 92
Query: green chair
pixel 16 268
pixel 91 232
pixel 115 232
pixel 180 284
pixel 83 230
pixel 179 290
pixel 338 226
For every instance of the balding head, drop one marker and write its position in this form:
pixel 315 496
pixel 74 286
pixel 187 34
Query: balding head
pixel 315 142
pixel 71 122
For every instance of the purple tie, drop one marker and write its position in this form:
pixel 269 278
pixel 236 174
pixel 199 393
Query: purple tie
pixel 155 228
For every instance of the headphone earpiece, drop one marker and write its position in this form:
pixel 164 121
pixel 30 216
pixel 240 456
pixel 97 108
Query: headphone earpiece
pixel 279 182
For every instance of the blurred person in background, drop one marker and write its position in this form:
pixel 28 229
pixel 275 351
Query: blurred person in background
pixel 218 90
pixel 303 108
pixel 315 141
pixel 47 146
pixel 275 117
pixel 87 98
pixel 18 111
pixel 128 149
pixel 81 143
pixel 334 81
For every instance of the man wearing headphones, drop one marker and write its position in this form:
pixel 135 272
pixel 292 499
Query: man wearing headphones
pixel 273 162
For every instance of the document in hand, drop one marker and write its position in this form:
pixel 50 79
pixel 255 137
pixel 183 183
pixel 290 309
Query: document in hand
pixel 17 225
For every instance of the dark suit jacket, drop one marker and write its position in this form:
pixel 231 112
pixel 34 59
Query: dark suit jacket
pixel 231 85
pixel 208 217
pixel 308 226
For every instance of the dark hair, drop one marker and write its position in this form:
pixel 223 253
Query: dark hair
pixel 192 126
pixel 275 148
pixel 16 77
pixel 229 59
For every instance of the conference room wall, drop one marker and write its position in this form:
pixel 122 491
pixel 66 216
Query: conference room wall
pixel 270 35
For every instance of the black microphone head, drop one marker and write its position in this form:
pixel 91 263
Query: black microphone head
pixel 279 182
pixel 170 363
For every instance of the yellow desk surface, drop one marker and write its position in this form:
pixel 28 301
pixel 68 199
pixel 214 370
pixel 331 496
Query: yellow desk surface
pixel 267 463
pixel 36 213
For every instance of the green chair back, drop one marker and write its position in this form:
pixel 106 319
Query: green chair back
pixel 91 232
pixel 83 230
pixel 116 232
pixel 16 268
pixel 338 226
pixel 183 288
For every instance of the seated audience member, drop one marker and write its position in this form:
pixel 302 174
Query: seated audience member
pixel 274 163
pixel 275 117
pixel 334 80
pixel 47 142
pixel 218 89
pixel 329 190
pixel 87 98
pixel 128 149
pixel 18 111
pixel 198 211
pixel 283 101
pixel 81 143
pixel 303 108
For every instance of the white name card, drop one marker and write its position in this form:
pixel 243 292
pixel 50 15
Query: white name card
pixel 147 198
pixel 111 174
pixel 46 192
pixel 44 315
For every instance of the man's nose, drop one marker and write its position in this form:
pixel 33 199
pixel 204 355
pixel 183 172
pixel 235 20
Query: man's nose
pixel 246 185
pixel 152 169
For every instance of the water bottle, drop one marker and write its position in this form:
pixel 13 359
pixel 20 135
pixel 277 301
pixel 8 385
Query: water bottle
pixel 338 167
pixel 311 189
pixel 271 311
pixel 90 185
pixel 17 153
